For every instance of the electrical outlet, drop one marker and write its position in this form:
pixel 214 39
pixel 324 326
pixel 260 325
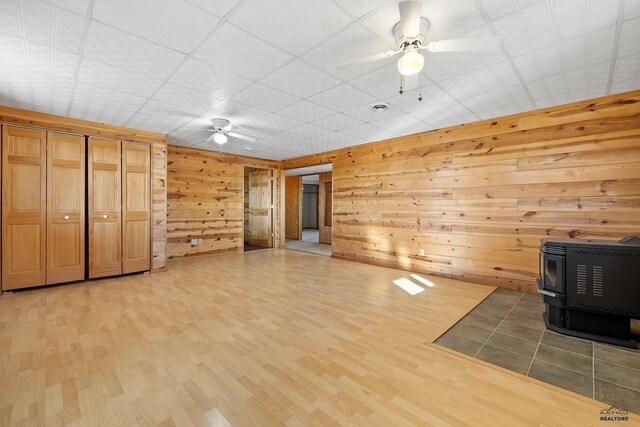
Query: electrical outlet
pixel 421 251
pixel 194 242
pixel 199 241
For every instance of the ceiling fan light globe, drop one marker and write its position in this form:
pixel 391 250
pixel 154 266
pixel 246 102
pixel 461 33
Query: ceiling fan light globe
pixel 411 63
pixel 220 138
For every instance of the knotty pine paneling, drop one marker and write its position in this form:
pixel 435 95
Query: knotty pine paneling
pixel 205 200
pixel 479 197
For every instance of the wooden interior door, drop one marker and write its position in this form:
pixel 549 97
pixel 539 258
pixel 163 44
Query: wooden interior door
pixel 104 182
pixel 325 207
pixel 136 209
pixel 65 207
pixel 261 208
pixel 293 207
pixel 24 196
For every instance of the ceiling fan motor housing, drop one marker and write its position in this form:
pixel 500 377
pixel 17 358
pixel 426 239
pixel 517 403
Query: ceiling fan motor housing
pixel 220 123
pixel 403 41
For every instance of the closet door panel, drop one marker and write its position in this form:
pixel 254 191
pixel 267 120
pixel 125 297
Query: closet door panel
pixel 104 180
pixel 136 209
pixel 24 177
pixel 65 207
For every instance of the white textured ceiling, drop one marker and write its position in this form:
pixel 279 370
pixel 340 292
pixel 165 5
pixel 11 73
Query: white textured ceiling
pixel 269 66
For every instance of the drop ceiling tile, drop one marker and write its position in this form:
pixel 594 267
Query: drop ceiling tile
pixel 360 8
pixel 309 131
pixel 185 97
pixel 176 24
pixel 276 121
pixel 107 44
pixel 37 57
pixel 306 111
pixel 211 78
pixel 403 125
pixel 217 7
pixel 241 53
pixel 282 24
pixel 265 98
pixel 234 112
pixel 161 117
pixel 42 23
pixel 354 42
pixel 300 79
pixel 499 103
pixel 481 81
pixel 338 122
pixel 368 132
pixel 343 97
pixel 631 9
pixel 627 74
pixel 630 38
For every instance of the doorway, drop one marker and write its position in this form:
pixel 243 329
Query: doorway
pixel 258 209
pixel 308 209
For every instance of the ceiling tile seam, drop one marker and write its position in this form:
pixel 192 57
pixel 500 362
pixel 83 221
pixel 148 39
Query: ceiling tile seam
pixel 315 46
pixel 616 46
pixel 218 25
pixel 506 53
pixel 80 53
pixel 155 19
pixel 360 21
pixel 61 6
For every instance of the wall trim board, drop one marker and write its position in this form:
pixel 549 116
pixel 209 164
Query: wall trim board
pixel 158 141
pixel 478 197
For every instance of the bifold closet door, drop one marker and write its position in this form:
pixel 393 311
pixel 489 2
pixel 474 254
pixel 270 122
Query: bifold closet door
pixel 24 210
pixel 65 207
pixel 104 182
pixel 136 207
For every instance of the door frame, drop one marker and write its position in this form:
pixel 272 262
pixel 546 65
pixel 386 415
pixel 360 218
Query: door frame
pixel 275 193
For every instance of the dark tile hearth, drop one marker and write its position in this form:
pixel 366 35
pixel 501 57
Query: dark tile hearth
pixel 507 329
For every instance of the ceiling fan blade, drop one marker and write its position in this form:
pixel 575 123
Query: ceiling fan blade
pixel 210 138
pixel 473 44
pixel 410 12
pixel 366 59
pixel 245 137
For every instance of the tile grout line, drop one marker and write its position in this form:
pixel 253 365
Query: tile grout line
pixel 502 320
pixel 536 352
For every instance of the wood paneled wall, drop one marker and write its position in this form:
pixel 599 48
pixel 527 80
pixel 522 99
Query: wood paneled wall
pixel 158 142
pixel 479 197
pixel 205 200
pixel 293 207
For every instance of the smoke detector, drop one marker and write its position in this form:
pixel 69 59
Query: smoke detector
pixel 380 107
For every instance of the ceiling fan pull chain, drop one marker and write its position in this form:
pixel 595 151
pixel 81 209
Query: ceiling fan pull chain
pixel 419 88
pixel 401 84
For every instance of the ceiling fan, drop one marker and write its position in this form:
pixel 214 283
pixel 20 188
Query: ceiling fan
pixel 410 33
pixel 222 131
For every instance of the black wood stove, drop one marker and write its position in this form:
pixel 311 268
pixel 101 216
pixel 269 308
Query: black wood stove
pixel 591 288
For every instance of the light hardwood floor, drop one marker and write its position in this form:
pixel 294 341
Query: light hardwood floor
pixel 267 337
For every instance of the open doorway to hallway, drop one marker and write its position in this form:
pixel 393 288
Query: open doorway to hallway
pixel 308 209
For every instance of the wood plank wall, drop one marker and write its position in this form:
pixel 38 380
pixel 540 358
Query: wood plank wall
pixel 205 200
pixel 158 142
pixel 479 197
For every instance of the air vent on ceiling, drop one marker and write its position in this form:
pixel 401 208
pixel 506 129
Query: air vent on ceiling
pixel 380 107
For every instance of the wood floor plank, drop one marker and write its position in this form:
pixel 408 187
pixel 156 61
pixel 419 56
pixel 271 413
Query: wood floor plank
pixel 273 337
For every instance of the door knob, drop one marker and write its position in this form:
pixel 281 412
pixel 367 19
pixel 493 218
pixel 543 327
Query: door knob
pixel 66 217
pixel 105 216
